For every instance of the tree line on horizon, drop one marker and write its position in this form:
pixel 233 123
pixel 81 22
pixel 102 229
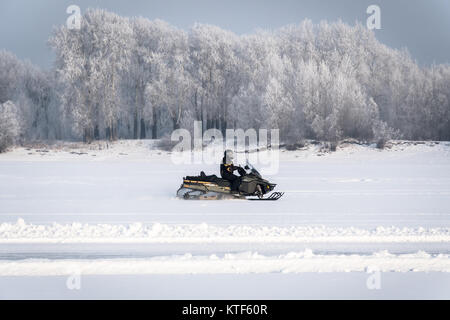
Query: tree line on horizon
pixel 133 78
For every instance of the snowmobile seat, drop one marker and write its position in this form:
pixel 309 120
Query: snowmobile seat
pixel 210 178
pixel 205 178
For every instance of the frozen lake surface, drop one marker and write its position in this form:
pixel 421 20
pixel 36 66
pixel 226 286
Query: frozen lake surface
pixel 113 213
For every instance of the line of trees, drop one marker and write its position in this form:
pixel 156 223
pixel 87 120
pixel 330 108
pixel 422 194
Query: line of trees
pixel 29 106
pixel 133 78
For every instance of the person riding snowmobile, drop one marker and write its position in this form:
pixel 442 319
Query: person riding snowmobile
pixel 250 185
pixel 227 168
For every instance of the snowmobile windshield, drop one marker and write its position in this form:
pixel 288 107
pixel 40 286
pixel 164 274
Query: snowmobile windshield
pixel 253 170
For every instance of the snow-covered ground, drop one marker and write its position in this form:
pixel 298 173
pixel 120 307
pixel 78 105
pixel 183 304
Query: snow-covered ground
pixel 109 210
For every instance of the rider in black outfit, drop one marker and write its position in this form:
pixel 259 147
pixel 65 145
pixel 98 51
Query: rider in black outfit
pixel 227 168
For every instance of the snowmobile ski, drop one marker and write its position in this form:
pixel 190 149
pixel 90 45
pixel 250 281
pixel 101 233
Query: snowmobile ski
pixel 272 197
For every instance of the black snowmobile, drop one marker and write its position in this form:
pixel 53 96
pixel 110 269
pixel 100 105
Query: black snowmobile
pixel 204 187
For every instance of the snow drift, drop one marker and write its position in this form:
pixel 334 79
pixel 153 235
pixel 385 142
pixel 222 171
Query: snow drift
pixel 21 232
pixel 245 262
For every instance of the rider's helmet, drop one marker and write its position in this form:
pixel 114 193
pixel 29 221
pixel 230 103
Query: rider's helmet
pixel 228 156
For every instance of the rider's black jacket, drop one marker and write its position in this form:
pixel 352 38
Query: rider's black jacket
pixel 226 171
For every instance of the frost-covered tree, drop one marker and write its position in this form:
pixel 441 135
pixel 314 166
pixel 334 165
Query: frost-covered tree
pixel 90 64
pixel 32 92
pixel 11 76
pixel 215 72
pixel 43 112
pixel 10 127
pixel 140 72
pixel 167 84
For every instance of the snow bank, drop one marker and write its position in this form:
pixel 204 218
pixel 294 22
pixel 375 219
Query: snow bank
pixel 148 150
pixel 22 232
pixel 240 263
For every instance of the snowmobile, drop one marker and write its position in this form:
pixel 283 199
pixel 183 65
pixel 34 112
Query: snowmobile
pixel 211 187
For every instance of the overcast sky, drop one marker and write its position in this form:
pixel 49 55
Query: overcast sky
pixel 422 26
